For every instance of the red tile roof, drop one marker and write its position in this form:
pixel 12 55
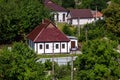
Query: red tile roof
pixel 96 14
pixel 51 5
pixel 47 32
pixel 80 13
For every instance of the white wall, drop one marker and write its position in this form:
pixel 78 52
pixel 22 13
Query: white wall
pixel 50 50
pixel 81 21
pixel 60 18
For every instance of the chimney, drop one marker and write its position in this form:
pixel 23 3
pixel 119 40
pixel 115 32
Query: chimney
pixel 42 21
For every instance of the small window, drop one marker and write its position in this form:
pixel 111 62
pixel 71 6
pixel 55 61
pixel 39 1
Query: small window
pixel 47 46
pixel 57 46
pixel 63 45
pixel 40 47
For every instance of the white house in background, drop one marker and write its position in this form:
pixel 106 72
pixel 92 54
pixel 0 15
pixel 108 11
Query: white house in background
pixel 47 38
pixel 83 16
pixel 80 17
pixel 59 13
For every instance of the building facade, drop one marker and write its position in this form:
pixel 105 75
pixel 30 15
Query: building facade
pixel 59 13
pixel 47 38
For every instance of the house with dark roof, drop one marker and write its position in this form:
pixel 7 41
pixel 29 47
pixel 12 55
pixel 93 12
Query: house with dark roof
pixel 47 38
pixel 80 17
pixel 59 12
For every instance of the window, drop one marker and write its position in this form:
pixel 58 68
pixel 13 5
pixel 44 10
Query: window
pixel 57 17
pixel 63 17
pixel 63 45
pixel 40 46
pixel 47 46
pixel 57 46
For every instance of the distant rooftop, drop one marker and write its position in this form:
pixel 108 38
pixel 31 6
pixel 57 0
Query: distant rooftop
pixel 53 6
pixel 81 13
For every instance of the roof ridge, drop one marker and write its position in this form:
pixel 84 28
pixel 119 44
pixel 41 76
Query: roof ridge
pixel 38 35
pixel 42 30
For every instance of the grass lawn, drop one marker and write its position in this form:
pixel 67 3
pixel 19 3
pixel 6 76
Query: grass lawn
pixel 60 25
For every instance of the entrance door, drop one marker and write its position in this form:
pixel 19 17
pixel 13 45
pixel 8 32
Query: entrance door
pixel 72 44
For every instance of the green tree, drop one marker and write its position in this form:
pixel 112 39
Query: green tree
pixel 116 1
pixel 99 61
pixel 112 18
pixel 48 65
pixel 68 3
pixel 92 4
pixel 93 30
pixel 19 17
pixel 67 30
pixel 63 72
pixel 20 63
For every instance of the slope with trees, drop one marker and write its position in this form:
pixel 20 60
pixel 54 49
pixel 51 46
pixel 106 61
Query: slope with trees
pixel 92 4
pixel 19 17
pixel 99 61
pixel 112 18
pixel 20 63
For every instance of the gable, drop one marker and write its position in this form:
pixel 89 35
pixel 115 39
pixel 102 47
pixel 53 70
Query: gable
pixel 50 26
pixel 47 32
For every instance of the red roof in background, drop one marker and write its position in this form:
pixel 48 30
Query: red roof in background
pixel 81 13
pixel 43 33
pixel 46 1
pixel 96 14
pixel 51 5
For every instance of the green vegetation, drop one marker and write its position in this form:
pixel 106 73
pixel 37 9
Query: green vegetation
pixel 93 31
pixel 19 63
pixel 99 61
pixel 19 17
pixel 68 3
pixel 112 14
pixel 60 25
pixel 92 4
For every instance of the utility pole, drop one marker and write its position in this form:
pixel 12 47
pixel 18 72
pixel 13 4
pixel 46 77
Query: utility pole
pixel 86 34
pixel 96 14
pixel 53 65
pixel 72 70
pixel 78 26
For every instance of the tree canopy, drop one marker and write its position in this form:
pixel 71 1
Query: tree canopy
pixel 92 4
pixel 99 61
pixel 68 3
pixel 19 17
pixel 112 18
pixel 20 63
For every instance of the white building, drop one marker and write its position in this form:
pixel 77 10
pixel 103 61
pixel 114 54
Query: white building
pixel 59 13
pixel 47 38
pixel 80 17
